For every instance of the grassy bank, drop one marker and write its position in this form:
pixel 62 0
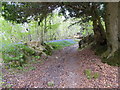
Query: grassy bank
pixel 59 44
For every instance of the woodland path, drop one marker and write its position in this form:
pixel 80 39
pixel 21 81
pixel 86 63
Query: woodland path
pixel 66 69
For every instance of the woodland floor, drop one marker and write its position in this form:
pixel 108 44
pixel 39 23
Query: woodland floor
pixel 66 69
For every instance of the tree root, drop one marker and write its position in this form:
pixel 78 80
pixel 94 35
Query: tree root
pixel 108 54
pixel 111 54
pixel 105 54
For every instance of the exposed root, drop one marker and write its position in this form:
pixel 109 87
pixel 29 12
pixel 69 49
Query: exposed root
pixel 111 54
pixel 108 54
pixel 105 54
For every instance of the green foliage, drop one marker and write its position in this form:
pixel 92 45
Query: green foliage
pixel 32 68
pixel 16 54
pixel 55 29
pixel 37 57
pixel 89 74
pixel 96 75
pixel 22 14
pixel 26 67
pixel 48 51
pixel 20 68
pixel 50 84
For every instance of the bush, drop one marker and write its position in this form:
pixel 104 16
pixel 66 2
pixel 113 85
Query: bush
pixel 16 54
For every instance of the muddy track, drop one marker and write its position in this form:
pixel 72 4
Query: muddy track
pixel 66 69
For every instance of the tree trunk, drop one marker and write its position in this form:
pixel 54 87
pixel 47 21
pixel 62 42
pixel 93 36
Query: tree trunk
pixel 119 24
pixel 96 34
pixel 111 28
pixel 45 28
pixel 102 30
pixel 99 32
pixel 42 30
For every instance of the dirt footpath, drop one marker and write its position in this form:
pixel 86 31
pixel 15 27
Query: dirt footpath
pixel 65 69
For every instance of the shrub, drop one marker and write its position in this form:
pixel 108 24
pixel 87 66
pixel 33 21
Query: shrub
pixel 16 54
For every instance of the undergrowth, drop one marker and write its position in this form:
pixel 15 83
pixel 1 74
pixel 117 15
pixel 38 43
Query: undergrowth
pixel 16 54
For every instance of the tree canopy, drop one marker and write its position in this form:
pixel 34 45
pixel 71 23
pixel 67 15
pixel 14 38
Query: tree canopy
pixel 23 12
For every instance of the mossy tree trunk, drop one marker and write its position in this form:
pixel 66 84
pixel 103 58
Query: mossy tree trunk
pixel 112 28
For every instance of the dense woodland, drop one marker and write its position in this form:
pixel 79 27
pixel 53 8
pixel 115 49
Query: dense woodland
pixel 29 30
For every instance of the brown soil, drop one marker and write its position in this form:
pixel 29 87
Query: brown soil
pixel 66 69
